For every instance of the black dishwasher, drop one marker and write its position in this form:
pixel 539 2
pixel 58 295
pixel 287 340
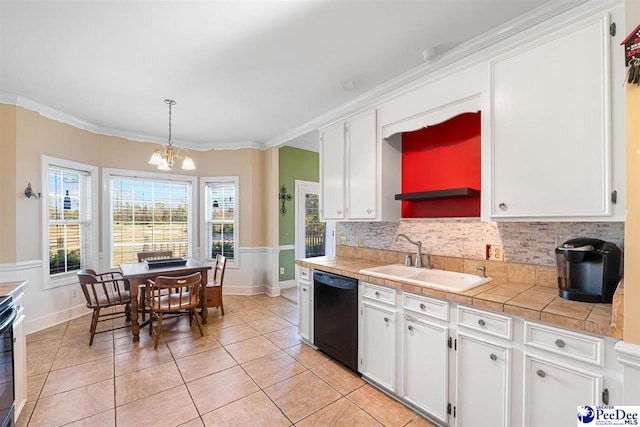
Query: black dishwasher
pixel 335 317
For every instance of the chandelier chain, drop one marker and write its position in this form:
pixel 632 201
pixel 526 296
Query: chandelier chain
pixel 170 102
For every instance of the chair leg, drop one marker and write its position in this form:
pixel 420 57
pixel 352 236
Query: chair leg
pixel 158 329
pixel 221 304
pixel 151 323
pixel 127 312
pixel 94 325
pixel 141 304
pixel 198 321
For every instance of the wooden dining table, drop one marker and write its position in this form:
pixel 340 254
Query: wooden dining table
pixel 137 273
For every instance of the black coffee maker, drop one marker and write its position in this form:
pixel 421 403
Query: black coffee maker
pixel 588 270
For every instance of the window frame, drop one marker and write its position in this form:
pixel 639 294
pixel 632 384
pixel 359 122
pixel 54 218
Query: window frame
pixel 107 213
pixel 68 278
pixel 204 181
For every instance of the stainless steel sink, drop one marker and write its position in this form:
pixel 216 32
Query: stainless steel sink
pixel 439 279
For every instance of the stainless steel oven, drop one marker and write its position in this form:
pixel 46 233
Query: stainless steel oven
pixel 7 317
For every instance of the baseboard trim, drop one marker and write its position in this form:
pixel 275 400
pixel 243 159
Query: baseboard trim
pixel 243 290
pixel 56 318
pixel 287 284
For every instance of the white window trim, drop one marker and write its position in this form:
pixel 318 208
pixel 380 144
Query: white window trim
pixel 65 279
pixel 235 263
pixel 107 217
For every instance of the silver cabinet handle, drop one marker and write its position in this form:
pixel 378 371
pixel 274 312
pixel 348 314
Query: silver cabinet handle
pixel 502 206
pixel 339 212
pixel 541 373
pixel 560 343
pixel 377 294
pixel 304 289
pixel 369 211
pixel 386 320
pixel 411 328
pixel 481 322
pixel 422 306
pixel 493 357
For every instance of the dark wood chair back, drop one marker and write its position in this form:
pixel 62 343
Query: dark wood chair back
pixel 154 255
pixel 218 272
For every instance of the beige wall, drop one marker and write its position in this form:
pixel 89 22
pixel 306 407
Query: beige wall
pixel 35 135
pixel 8 187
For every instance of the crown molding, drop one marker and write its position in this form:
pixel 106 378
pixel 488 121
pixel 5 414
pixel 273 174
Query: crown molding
pixel 62 117
pixel 464 55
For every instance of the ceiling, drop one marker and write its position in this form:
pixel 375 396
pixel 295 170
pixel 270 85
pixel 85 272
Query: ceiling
pixel 242 72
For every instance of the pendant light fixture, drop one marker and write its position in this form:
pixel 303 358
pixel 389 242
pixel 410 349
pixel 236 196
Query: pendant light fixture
pixel 165 155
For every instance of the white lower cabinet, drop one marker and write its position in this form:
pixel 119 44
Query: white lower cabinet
pixel 465 367
pixel 558 389
pixel 19 364
pixel 305 311
pixel 378 357
pixel 425 366
pixel 482 382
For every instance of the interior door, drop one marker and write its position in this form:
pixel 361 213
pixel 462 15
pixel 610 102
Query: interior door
pixel 313 236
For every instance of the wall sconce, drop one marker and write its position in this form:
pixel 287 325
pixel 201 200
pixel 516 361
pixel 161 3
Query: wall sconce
pixel 30 193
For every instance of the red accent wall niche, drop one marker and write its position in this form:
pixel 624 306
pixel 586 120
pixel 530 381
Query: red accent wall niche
pixel 441 157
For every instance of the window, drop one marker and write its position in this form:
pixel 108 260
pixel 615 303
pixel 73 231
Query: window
pixel 220 213
pixel 149 214
pixel 69 233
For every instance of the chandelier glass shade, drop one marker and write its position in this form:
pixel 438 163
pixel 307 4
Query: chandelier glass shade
pixel 164 156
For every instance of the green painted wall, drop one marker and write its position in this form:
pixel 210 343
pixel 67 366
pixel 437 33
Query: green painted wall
pixel 295 164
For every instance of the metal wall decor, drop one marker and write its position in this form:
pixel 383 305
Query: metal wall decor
pixel 284 197
pixel 30 193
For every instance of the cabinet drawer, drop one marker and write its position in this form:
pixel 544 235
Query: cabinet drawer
pixel 569 344
pixel 305 273
pixel 490 323
pixel 426 306
pixel 379 293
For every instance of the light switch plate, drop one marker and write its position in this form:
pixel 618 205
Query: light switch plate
pixel 281 270
pixel 495 252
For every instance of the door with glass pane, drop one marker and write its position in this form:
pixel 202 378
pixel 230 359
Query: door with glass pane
pixel 313 237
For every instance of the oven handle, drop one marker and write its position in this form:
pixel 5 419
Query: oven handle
pixel 7 323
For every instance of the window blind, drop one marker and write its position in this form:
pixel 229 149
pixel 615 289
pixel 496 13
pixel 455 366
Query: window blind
pixel 70 220
pixel 221 217
pixel 149 215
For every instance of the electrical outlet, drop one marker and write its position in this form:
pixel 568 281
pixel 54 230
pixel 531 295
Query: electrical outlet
pixel 281 270
pixel 342 240
pixel 74 293
pixel 495 252
pixel 360 240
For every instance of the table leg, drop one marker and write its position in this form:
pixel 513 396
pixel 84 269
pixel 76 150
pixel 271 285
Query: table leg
pixel 134 289
pixel 204 313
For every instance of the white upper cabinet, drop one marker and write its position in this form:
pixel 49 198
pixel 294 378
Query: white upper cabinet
pixel 332 172
pixel 552 128
pixel 362 166
pixel 352 175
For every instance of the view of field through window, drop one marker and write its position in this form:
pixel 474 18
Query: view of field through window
pixel 149 215
pixel 67 219
pixel 221 216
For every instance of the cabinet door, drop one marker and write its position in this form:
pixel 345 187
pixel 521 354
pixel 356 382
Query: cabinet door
pixel 304 311
pixel 332 173
pixel 379 345
pixel 425 366
pixel 362 166
pixel 482 383
pixel 553 392
pixel 551 126
pixel 19 365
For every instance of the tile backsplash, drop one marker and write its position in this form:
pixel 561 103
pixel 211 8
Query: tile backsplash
pixel 524 242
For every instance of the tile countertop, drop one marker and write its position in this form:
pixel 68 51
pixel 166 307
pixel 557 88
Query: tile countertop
pixel 525 300
pixel 12 288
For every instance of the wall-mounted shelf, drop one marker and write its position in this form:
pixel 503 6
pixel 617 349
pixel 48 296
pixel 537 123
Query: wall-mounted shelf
pixel 449 193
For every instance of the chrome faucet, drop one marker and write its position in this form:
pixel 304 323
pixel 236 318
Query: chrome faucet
pixel 482 271
pixel 418 244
